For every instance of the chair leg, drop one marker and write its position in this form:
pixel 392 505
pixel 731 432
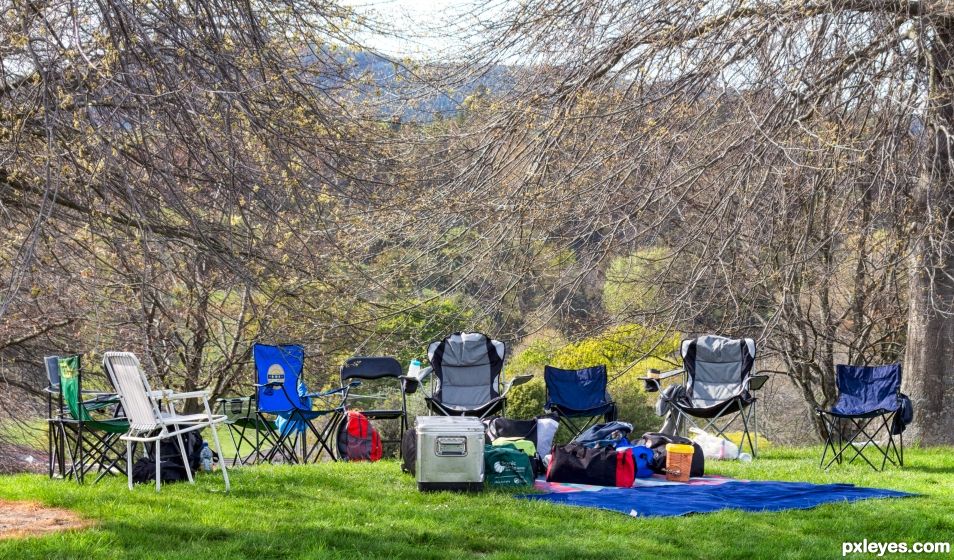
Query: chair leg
pixel 185 458
pixel 158 456
pixel 129 473
pixel 901 449
pixel 218 449
pixel 755 426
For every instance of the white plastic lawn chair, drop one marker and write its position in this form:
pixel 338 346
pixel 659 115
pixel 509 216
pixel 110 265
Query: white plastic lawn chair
pixel 148 422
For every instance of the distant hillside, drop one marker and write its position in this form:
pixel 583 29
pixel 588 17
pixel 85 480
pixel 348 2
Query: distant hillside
pixel 391 85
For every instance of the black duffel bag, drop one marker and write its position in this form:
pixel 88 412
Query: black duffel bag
pixel 409 451
pixel 656 442
pixel 576 464
pixel 498 427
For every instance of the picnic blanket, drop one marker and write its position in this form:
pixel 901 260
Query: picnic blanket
pixel 653 481
pixel 664 500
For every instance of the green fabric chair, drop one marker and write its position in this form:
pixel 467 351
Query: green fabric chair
pixel 90 443
pixel 247 430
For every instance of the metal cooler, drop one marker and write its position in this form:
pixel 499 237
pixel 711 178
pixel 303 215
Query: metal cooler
pixel 450 453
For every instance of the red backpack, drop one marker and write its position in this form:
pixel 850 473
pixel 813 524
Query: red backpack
pixel 357 439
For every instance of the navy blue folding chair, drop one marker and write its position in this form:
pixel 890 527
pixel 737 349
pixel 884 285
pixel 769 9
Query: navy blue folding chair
pixel 578 397
pixel 281 392
pixel 869 400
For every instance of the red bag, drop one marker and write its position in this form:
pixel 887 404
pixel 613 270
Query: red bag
pixel 625 468
pixel 357 439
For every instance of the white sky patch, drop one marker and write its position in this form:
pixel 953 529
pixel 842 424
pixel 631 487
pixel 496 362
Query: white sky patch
pixel 421 28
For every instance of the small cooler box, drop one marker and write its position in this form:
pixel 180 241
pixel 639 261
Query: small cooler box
pixel 450 453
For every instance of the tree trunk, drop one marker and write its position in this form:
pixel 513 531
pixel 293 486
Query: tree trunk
pixel 929 351
pixel 928 371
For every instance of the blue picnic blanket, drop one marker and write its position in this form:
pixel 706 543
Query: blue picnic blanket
pixel 665 501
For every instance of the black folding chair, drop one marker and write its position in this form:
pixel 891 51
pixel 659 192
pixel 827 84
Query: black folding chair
pixel 869 403
pixel 390 403
pixel 84 426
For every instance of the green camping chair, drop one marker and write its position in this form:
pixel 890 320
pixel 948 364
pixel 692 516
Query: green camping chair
pixel 249 432
pixel 89 443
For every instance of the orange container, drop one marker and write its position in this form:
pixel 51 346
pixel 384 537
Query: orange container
pixel 678 461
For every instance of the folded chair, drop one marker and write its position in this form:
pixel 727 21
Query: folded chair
pixel 578 397
pixel 468 376
pixel 386 374
pixel 149 423
pixel 249 432
pixel 718 388
pixel 869 402
pixel 281 392
pixel 89 443
pixel 56 447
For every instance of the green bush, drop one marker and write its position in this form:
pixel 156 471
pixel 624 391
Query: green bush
pixel 526 401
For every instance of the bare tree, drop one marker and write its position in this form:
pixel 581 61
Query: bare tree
pixel 844 105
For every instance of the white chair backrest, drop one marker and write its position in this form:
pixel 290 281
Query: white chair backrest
pixel 141 409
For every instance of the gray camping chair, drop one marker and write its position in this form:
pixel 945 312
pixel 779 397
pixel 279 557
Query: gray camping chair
pixel 718 388
pixel 467 376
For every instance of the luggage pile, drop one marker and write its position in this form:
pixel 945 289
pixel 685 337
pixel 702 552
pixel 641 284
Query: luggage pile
pixel 465 453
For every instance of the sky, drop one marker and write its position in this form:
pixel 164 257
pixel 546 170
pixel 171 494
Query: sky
pixel 422 28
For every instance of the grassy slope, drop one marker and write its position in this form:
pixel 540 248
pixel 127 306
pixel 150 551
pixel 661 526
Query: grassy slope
pixel 361 510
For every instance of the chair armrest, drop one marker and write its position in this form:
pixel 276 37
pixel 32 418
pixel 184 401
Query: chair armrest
pixel 409 384
pixel 664 375
pixel 189 395
pixel 755 382
pixel 519 380
pixel 229 399
pixel 330 392
pixel 424 373
pixel 653 384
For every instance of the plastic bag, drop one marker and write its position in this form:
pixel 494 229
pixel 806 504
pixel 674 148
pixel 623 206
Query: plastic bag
pixel 714 447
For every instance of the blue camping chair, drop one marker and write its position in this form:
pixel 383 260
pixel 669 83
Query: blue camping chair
pixel 281 392
pixel 578 397
pixel 869 401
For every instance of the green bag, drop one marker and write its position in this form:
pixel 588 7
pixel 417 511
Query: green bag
pixel 507 466
pixel 524 445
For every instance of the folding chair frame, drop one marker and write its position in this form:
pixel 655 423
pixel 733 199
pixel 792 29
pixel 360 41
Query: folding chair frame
pixel 578 422
pixel 839 444
pixel 239 427
pixel 395 375
pixel 291 440
pixel 90 450
pixel 748 413
pixel 148 422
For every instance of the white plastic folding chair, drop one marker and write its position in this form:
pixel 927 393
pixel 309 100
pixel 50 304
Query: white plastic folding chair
pixel 148 422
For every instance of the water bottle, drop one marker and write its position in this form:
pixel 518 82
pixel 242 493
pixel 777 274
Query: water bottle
pixel 206 456
pixel 745 457
pixel 414 369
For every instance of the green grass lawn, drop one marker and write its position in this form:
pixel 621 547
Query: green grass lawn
pixel 373 511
